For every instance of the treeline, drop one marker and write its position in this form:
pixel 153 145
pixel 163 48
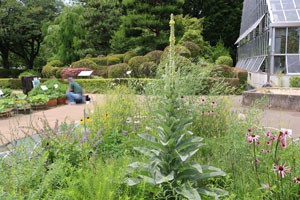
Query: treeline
pixel 34 32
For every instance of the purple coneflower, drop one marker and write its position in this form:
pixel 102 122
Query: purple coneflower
pixel 268 143
pixel 283 144
pixel 281 169
pixel 213 103
pixel 269 134
pixel 202 101
pixel 297 179
pixel 253 138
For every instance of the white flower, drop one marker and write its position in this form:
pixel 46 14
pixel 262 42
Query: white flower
pixel 128 72
pixel 241 117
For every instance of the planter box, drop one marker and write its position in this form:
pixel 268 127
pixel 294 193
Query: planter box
pixel 6 114
pixel 25 111
pixel 39 107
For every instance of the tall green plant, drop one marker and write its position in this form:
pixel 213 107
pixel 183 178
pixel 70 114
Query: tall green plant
pixel 171 146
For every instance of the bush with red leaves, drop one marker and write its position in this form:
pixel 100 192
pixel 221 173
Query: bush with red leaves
pixel 73 72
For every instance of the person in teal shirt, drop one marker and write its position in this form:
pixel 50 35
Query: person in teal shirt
pixel 74 93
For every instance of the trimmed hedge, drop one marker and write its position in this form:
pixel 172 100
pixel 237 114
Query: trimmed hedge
pixel 118 70
pixel 295 81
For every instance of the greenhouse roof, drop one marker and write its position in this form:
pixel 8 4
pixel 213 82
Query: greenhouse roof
pixel 284 10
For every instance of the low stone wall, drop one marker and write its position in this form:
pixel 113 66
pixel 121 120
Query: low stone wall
pixel 270 100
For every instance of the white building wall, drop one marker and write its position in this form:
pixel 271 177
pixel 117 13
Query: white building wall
pixel 257 80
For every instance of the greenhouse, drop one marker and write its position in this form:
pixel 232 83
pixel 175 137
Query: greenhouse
pixel 268 45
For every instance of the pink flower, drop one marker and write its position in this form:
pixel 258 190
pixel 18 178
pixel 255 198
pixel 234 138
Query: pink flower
pixel 263 151
pixel 213 103
pixel 202 101
pixel 269 134
pixel 181 98
pixel 297 179
pixel 253 138
pixel 268 143
pixel 269 151
pixel 256 161
pixel 274 138
pixel 283 144
pixel 281 169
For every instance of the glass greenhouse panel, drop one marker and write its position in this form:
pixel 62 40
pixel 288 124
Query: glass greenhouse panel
pixel 293 40
pixel 280 40
pixel 293 64
pixel 284 10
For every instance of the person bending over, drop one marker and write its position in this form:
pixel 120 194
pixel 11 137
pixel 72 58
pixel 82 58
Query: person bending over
pixel 74 93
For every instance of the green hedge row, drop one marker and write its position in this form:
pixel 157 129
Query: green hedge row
pixel 102 85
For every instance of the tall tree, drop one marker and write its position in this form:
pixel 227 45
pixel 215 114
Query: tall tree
pixel 102 19
pixel 222 19
pixel 27 40
pixel 65 35
pixel 9 16
pixel 145 24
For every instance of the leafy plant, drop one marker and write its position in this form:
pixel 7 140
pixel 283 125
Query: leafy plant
pixel 40 99
pixel 171 146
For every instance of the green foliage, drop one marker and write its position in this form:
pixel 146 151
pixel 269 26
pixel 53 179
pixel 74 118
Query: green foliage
pixel 30 72
pixel 193 48
pixel 118 70
pixel 147 69
pixel 55 89
pixel 218 51
pixel 145 31
pixel 39 99
pixel 179 51
pixel 135 63
pixel 6 92
pixel 55 63
pixel 154 56
pixel 224 60
pixel 86 63
pixel 128 55
pixel 112 60
pixel 64 36
pixel 102 61
pixel 295 81
pixel 101 20
pixel 14 83
pixel 49 71
pixel 120 56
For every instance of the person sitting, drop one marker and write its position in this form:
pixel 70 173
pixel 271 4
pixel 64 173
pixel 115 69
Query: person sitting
pixel 74 93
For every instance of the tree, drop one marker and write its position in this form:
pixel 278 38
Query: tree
pixel 145 25
pixel 222 20
pixel 65 35
pixel 22 23
pixel 102 19
pixel 9 15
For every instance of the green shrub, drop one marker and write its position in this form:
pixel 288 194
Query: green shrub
pixel 29 72
pixel 112 60
pixel 154 56
pixel 49 71
pixel 224 60
pixel 242 75
pixel 136 62
pixel 100 61
pixel 55 63
pixel 193 48
pixel 120 56
pixel 128 55
pixel 295 81
pixel 86 63
pixel 147 69
pixel 118 70
pixel 223 71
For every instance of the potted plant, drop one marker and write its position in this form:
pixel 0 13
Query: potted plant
pixel 38 101
pixel 62 98
pixel 52 99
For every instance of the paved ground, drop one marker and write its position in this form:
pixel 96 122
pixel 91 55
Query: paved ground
pixel 19 126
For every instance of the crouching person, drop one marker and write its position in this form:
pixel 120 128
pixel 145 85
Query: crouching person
pixel 74 93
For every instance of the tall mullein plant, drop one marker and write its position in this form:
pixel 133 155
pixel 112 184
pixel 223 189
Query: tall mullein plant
pixel 171 146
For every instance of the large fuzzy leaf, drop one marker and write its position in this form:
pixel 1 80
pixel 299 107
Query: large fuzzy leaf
pixel 149 138
pixel 215 192
pixel 132 181
pixel 188 192
pixel 184 156
pixel 160 178
pixel 184 143
pixel 146 151
pixel 210 175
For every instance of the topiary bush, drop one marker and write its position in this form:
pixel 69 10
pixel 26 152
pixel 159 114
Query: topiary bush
pixel 85 63
pixel 147 69
pixel 118 70
pixel 224 60
pixel 49 71
pixel 128 55
pixel 112 60
pixel 193 48
pixel 120 56
pixel 55 63
pixel 295 81
pixel 242 75
pixel 100 61
pixel 136 62
pixel 179 51
pixel 154 56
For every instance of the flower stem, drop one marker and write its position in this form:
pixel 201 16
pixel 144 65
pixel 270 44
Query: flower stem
pixel 255 164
